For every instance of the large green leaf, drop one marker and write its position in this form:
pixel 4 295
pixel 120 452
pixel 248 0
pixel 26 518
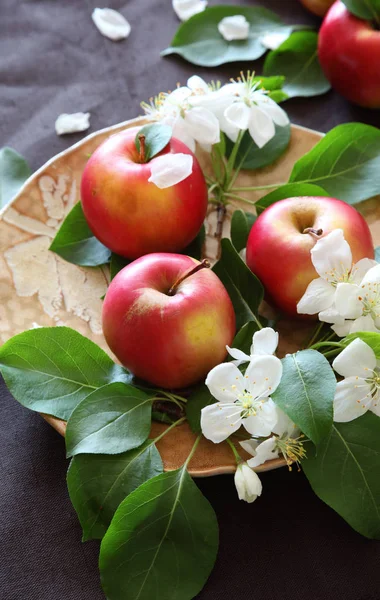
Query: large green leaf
pixel 199 41
pixel 297 59
pixel 306 393
pixel 241 224
pixel 157 136
pixel 365 9
pixel 115 418
pixel 162 541
pixel 76 243
pixel 243 338
pixel 346 163
pixel 52 369
pixel 245 290
pixel 14 171
pixel 98 483
pixel 344 472
pixel 289 190
pixel 251 157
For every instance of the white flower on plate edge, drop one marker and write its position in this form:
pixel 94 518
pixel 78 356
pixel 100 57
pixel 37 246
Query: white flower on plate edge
pixel 332 259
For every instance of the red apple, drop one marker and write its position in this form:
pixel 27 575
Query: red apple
pixel 278 248
pixel 349 53
pixel 170 337
pixel 318 7
pixel 132 216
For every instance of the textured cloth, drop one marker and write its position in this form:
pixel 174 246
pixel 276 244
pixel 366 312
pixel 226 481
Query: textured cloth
pixel 288 545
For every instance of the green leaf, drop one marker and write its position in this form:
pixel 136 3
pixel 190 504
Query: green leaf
pixel 344 473
pixel 243 338
pixel 250 156
pixel 289 190
pixel 52 369
pixel 115 418
pixel 162 541
pixel 197 400
pixel 76 243
pixel 117 264
pixel 365 9
pixel 14 171
pixel 372 339
pixel 99 483
pixel 278 96
pixel 157 136
pixel 297 59
pixel 241 224
pixel 306 393
pixel 199 41
pixel 271 84
pixel 346 163
pixel 196 247
pixel 377 254
pixel 245 290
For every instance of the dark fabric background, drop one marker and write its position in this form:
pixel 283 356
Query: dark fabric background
pixel 288 545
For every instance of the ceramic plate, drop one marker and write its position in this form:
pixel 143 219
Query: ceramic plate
pixel 38 288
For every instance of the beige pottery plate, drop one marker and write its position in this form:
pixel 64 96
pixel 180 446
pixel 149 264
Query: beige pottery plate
pixel 38 288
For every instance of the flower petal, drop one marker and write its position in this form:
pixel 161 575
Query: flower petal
pixel 235 27
pixel 331 315
pixel 342 329
pixel 198 85
pixel 375 405
pixel 111 23
pixel 263 375
pixel 360 269
pixel 273 39
pixel 331 256
pixel 239 356
pixel 180 131
pixel 264 341
pixel 247 482
pixel 202 125
pixel 169 169
pixel 284 426
pixel 72 123
pixel 184 9
pixel 261 424
pixel 238 115
pixel 225 382
pixel 218 421
pixel 271 108
pixel 264 451
pixel 364 324
pixel 319 296
pixel 372 276
pixel 348 300
pixel 261 127
pixel 357 359
pixel 350 401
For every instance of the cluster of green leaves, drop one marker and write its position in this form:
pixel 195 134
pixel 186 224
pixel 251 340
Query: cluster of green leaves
pixel 367 9
pixel 199 42
pixel 14 171
pixel 115 479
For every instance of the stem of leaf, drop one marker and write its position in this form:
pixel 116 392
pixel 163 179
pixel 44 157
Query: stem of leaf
pixel 236 197
pixel 171 395
pixel 315 334
pixel 232 158
pixel 181 420
pixel 192 451
pixel 257 188
pixel 329 344
pixel 237 456
pixel 331 353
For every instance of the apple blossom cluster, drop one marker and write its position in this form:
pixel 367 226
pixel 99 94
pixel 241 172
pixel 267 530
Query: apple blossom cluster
pixel 346 295
pixel 199 112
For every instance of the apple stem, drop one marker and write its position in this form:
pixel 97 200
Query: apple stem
pixel 316 232
pixel 205 264
pixel 142 147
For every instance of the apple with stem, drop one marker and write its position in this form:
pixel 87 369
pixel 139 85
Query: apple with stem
pixel 349 53
pixel 168 319
pixel 279 244
pixel 127 211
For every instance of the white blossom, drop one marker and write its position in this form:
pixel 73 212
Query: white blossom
pixel 247 482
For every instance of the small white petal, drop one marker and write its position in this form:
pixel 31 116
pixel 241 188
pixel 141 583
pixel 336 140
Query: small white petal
pixel 261 127
pixel 234 28
pixel 198 85
pixel 248 484
pixel 238 115
pixel 319 296
pixel 261 424
pixel 271 108
pixel 331 255
pixel 184 9
pixel 169 169
pixel 360 269
pixel 347 300
pixel 351 402
pixel 111 23
pixel 180 131
pixel 218 422
pixel 72 123
pixel 284 426
pixel 263 375
pixel 225 382
pixel 202 125
pixel 273 39
pixel 250 446
pixel 372 276
pixel 264 341
pixel 264 451
pixel 364 324
pixel 342 329
pixel 357 359
pixel 331 315
pixel 239 356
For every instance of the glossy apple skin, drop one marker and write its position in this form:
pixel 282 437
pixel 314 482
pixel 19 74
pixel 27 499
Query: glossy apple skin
pixel 279 253
pixel 131 216
pixel 349 53
pixel 318 7
pixel 170 341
